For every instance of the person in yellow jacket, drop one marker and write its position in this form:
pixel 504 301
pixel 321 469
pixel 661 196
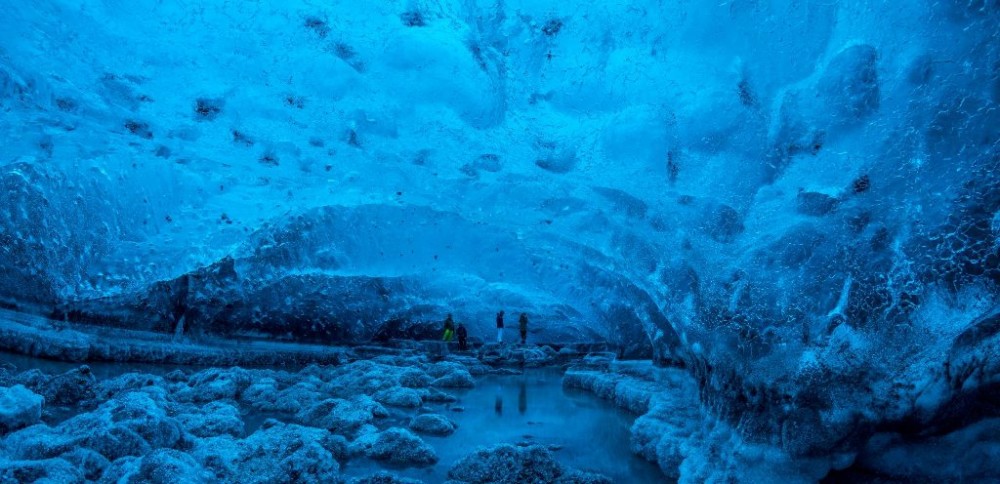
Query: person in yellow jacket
pixel 449 328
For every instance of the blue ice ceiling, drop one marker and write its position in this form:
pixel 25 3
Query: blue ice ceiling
pixel 734 182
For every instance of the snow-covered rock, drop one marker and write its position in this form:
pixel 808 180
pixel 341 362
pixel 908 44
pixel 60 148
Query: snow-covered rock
pixel 507 464
pixel 19 407
pixel 397 446
pixel 160 466
pixel 212 419
pixel 432 424
pixel 48 470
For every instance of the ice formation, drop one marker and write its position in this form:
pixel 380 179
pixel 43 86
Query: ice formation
pixel 797 202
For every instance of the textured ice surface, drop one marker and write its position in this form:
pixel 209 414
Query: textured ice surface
pixel 797 200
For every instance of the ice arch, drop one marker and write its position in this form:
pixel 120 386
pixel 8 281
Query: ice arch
pixel 788 197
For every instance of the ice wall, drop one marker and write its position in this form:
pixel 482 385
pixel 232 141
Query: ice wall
pixel 797 199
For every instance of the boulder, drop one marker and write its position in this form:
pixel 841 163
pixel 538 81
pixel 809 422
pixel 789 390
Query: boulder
pixel 400 397
pixel 47 471
pixel 212 419
pixel 71 387
pixel 507 464
pixel 287 453
pixel 433 424
pixel 161 466
pixel 397 446
pixel 19 408
pixel 218 384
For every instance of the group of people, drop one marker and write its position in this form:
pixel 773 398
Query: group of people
pixel 463 334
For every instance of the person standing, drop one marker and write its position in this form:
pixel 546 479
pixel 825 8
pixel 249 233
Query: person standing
pixel 523 326
pixel 449 328
pixel 463 335
pixel 500 327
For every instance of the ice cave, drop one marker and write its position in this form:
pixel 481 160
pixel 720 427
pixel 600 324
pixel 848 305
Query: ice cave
pixel 499 241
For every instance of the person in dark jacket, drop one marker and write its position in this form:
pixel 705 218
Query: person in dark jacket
pixel 449 328
pixel 523 326
pixel 500 327
pixel 463 337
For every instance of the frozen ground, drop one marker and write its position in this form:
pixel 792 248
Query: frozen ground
pixel 320 424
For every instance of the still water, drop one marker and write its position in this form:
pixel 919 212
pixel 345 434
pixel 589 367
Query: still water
pixel 592 434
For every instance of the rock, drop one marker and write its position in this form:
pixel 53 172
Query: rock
pixel 400 397
pixel 414 378
pixel 534 357
pixel 265 395
pixel 455 380
pixel 119 471
pixel 286 453
pixel 437 396
pixel 451 375
pixel 433 424
pixel 42 471
pixel 6 374
pixel 369 405
pixel 261 394
pixel 176 376
pixel 132 424
pixel 19 408
pixel 217 384
pixel 365 377
pixel 338 416
pixel 507 464
pixel 397 446
pixel 40 442
pixel 90 463
pixel 70 387
pixel 213 419
pixel 107 389
pixel 34 379
pixel 162 466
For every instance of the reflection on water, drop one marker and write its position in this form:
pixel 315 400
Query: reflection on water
pixel 522 398
pixel 593 435
pixel 498 402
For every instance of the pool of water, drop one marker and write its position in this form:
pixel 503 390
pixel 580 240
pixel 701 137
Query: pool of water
pixel 592 434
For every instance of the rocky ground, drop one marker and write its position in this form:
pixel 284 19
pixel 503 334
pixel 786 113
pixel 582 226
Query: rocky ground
pixel 193 425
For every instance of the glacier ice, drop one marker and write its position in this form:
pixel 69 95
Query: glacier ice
pixel 796 202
